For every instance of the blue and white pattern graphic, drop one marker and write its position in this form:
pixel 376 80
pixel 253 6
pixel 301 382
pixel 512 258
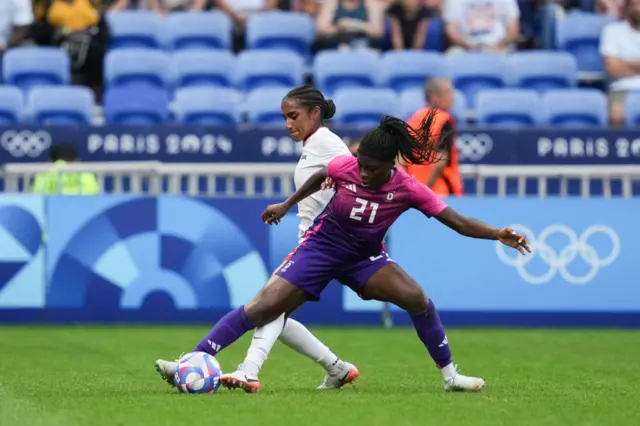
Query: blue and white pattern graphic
pixel 22 283
pixel 155 253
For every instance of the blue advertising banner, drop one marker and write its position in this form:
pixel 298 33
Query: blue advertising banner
pixel 201 144
pixel 178 259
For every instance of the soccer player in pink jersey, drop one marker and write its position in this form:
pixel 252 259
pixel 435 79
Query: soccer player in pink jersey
pixel 345 243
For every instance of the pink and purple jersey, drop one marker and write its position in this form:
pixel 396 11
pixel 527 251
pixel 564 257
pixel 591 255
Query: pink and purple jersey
pixel 357 219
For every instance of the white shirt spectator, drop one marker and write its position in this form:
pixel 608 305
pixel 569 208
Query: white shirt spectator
pixel 13 13
pixel 620 40
pixel 481 22
pixel 246 7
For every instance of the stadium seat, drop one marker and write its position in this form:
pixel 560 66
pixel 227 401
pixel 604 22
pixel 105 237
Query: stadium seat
pixel 28 67
pixel 136 106
pixel 134 29
pixel 576 108
pixel 11 105
pixel 460 107
pixel 64 105
pixel 210 30
pixel 364 106
pixel 273 68
pixel 632 109
pixel 509 107
pixel 204 67
pixel 263 106
pixel 579 34
pixel 435 35
pixel 473 72
pixel 281 30
pixel 129 67
pixel 404 69
pixel 207 106
pixel 540 70
pixel 333 70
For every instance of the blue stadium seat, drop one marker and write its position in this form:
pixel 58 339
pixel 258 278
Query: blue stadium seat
pixel 136 106
pixel 263 106
pixel 509 107
pixel 131 29
pixel 269 68
pixel 411 100
pixel 579 108
pixel 210 30
pixel 540 70
pixel 364 106
pixel 204 67
pixel 460 107
pixel 64 105
pixel 129 67
pixel 632 109
pixel 207 106
pixel 333 70
pixel 11 105
pixel 579 34
pixel 435 35
pixel 473 72
pixel 404 69
pixel 281 30
pixel 28 67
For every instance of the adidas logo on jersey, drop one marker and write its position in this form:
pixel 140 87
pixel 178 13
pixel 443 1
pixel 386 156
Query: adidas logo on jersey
pixel 351 187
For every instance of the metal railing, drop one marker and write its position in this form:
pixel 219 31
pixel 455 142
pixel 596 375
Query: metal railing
pixel 276 179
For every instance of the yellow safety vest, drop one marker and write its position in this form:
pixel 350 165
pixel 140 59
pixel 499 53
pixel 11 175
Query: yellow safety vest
pixel 73 183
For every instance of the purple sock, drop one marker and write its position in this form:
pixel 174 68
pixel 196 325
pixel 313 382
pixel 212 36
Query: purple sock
pixel 226 331
pixel 431 331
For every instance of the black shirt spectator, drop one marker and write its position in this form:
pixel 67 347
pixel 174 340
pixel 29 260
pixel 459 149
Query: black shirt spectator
pixel 409 24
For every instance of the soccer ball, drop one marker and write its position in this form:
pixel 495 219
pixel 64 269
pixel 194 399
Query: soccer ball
pixel 198 372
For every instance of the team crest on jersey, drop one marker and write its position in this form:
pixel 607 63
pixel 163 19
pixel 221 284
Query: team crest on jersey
pixel 303 157
pixel 390 196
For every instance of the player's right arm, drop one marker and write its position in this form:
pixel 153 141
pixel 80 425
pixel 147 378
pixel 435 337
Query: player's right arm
pixel 275 212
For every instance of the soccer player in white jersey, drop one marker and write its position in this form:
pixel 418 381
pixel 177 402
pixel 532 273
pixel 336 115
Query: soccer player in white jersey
pixel 305 109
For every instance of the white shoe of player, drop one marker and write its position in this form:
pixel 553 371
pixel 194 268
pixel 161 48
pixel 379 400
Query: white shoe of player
pixel 240 380
pixel 460 383
pixel 167 369
pixel 347 374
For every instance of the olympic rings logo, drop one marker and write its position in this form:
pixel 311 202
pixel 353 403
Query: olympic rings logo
pixel 474 147
pixel 25 143
pixel 578 247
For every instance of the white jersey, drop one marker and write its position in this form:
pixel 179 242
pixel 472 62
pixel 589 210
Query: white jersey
pixel 318 151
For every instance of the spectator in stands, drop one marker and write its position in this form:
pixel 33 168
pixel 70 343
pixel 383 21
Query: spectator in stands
pixel 350 24
pixel 239 11
pixel 482 25
pixel 409 24
pixel 443 177
pixel 79 27
pixel 69 183
pixel 620 48
pixel 16 17
pixel 310 7
pixel 164 7
pixel 613 8
pixel 538 22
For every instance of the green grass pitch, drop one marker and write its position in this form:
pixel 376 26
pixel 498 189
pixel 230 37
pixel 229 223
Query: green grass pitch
pixel 92 376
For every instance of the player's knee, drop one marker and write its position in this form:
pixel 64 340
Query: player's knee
pixel 262 309
pixel 414 299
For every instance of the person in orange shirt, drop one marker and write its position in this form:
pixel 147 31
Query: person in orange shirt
pixel 443 177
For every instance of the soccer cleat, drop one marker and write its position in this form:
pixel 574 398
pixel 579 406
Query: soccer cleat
pixel 460 383
pixel 347 374
pixel 240 380
pixel 167 369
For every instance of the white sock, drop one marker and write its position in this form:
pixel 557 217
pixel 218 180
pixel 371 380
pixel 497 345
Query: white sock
pixel 261 344
pixel 300 339
pixel 448 371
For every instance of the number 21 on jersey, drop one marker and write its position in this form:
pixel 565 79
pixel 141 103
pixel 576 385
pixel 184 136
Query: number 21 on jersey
pixel 358 211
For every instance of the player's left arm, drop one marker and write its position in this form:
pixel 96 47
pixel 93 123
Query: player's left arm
pixel 430 204
pixel 275 212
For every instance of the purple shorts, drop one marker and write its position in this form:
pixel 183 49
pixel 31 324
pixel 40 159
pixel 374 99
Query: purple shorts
pixel 312 269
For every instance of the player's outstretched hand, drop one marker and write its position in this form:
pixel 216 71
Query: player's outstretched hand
pixel 273 213
pixel 328 184
pixel 511 238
